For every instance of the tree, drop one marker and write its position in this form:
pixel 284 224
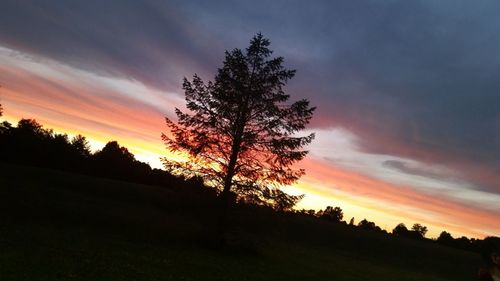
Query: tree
pixel 239 132
pixel 5 127
pixel 33 128
pixel 419 229
pixel 81 146
pixel 369 225
pixel 115 161
pixel 114 153
pixel 445 238
pixel 332 214
pixel 400 230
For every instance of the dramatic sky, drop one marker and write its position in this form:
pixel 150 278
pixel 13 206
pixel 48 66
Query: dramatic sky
pixel 408 92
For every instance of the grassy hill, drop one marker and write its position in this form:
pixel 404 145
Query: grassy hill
pixel 62 226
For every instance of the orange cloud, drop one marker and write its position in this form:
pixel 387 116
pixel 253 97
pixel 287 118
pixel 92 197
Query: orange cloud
pixel 352 189
pixel 102 113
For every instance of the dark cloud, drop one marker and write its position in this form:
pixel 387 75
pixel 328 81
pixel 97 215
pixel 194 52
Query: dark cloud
pixel 142 40
pixel 408 169
pixel 422 75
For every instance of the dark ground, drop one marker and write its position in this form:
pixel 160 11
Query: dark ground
pixel 62 226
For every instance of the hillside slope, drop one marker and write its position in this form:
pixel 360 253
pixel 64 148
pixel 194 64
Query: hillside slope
pixel 63 226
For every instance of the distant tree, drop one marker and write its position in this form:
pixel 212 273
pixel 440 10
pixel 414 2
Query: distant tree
pixel 239 131
pixel 33 128
pixel 463 243
pixel 369 225
pixel 113 152
pixel 115 161
pixel 419 229
pixel 445 238
pixel 351 222
pixel 81 145
pixel 5 140
pixel 400 230
pixel 5 127
pixel 487 247
pixel 309 212
pixel 281 200
pixel 32 142
pixel 59 148
pixel 332 214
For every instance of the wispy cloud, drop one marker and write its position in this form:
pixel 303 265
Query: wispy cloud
pixel 407 92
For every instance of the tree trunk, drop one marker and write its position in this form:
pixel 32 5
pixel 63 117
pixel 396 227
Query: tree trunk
pixel 225 202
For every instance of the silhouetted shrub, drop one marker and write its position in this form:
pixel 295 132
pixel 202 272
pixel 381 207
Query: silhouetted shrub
pixel 331 214
pixel 368 225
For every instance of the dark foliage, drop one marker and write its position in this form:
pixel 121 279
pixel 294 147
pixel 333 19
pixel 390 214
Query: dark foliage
pixel 445 238
pixel 463 242
pixel 487 247
pixel 417 231
pixel 369 225
pixel 30 144
pixel 400 230
pixel 331 214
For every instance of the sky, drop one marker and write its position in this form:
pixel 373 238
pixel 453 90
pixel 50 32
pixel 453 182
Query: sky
pixel 407 92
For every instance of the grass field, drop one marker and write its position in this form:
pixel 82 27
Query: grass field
pixel 61 226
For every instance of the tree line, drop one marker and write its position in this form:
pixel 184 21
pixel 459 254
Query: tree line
pixel 239 131
pixel 29 143
pixel 416 232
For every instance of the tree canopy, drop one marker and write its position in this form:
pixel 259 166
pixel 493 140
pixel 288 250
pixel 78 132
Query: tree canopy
pixel 420 229
pixel 239 130
pixel 332 214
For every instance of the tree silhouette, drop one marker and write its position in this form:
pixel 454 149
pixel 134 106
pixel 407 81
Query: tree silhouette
pixel 332 214
pixel 5 127
pixel 445 238
pixel 114 161
pixel 369 225
pixel 32 128
pixel 401 230
pixel 113 152
pixel 419 229
pixel 81 145
pixel 239 131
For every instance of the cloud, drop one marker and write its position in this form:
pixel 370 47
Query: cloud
pixel 346 187
pixel 409 84
pixel 146 41
pixel 416 171
pixel 75 101
pixel 340 149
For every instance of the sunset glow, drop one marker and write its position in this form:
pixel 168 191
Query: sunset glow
pixel 374 155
